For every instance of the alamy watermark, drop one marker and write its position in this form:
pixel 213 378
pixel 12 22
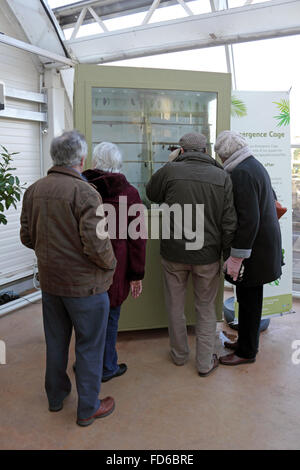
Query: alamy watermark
pixel 176 221
pixel 2 352
pixel 296 353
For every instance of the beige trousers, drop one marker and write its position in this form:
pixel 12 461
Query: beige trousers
pixel 205 283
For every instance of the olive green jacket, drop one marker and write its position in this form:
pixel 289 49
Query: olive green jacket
pixel 195 178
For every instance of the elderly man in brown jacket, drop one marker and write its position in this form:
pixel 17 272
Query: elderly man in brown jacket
pixel 76 266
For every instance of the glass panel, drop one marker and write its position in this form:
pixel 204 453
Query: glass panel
pixel 296 218
pixel 147 125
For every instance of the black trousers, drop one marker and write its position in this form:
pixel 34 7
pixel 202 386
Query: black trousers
pixel 250 301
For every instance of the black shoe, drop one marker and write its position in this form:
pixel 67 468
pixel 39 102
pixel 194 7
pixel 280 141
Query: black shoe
pixel 122 369
pixel 59 407
pixel 56 408
pixel 230 345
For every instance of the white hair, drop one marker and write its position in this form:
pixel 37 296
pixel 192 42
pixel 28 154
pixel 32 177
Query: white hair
pixel 229 142
pixel 107 157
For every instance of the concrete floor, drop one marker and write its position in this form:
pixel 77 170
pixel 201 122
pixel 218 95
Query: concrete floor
pixel 158 405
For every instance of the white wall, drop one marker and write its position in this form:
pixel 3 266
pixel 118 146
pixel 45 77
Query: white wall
pixel 18 70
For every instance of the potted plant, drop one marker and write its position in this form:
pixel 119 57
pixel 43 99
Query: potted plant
pixel 10 186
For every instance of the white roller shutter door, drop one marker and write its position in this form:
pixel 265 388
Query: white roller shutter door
pixel 19 72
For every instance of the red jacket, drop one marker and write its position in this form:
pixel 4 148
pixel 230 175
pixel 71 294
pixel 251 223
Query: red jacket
pixel 130 254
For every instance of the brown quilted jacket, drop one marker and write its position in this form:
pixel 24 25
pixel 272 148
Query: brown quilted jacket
pixel 59 222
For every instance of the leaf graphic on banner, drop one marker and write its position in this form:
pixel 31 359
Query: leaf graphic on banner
pixel 238 107
pixel 284 109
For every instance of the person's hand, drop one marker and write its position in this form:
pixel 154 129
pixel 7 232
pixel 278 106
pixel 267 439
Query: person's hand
pixel 136 288
pixel 232 267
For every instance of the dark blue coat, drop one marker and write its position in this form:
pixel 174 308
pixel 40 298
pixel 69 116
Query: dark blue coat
pixel 258 226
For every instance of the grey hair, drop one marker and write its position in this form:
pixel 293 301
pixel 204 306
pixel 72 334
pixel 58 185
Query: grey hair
pixel 107 157
pixel 68 149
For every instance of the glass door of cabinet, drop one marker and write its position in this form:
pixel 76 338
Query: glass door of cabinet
pixel 147 124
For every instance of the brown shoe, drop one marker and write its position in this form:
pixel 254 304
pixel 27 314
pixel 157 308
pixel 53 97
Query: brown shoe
pixel 232 346
pixel 233 360
pixel 107 406
pixel 215 365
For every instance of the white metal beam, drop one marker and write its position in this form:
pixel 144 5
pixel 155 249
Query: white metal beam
pixel 35 50
pixel 185 7
pixel 152 9
pixel 217 5
pixel 17 113
pixel 97 19
pixel 40 26
pixel 23 95
pixel 79 23
pixel 271 19
pixel 67 14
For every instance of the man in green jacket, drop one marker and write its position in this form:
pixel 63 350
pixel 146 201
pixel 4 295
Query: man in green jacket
pixel 197 191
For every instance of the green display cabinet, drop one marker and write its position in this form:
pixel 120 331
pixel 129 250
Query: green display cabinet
pixel 145 112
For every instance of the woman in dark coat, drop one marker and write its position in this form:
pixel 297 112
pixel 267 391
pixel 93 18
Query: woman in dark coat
pixel 130 254
pixel 257 242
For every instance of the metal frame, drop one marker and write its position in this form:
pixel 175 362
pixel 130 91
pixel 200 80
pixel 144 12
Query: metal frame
pixel 35 50
pixel 140 314
pixel 67 15
pixel 40 29
pixel 14 113
pixel 276 18
pixel 89 9
pixel 24 95
pixel 222 26
pixel 217 5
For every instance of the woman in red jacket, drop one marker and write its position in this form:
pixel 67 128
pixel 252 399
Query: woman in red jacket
pixel 130 254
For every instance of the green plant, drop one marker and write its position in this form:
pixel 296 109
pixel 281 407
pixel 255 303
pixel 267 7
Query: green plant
pixel 10 187
pixel 238 107
pixel 284 116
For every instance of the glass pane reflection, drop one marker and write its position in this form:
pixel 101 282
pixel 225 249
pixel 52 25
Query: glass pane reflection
pixel 147 124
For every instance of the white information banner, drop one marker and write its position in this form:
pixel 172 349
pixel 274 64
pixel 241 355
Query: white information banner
pixel 263 119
